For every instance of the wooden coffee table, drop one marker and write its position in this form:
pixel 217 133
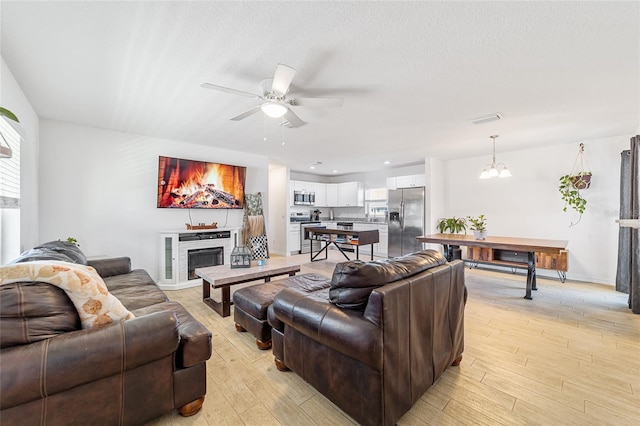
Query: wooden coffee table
pixel 223 277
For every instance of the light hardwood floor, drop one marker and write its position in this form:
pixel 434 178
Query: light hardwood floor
pixel 570 356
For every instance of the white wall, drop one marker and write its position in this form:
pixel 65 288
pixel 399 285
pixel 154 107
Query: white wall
pixel 434 196
pixel 99 186
pixel 13 98
pixel 529 204
pixel 277 226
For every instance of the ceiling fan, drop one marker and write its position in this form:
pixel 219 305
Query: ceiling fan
pixel 274 94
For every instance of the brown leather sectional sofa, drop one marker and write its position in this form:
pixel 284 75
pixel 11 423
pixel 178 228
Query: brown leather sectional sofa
pixel 388 332
pixel 53 372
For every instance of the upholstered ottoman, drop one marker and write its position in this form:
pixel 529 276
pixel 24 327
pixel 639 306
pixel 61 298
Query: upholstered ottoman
pixel 251 303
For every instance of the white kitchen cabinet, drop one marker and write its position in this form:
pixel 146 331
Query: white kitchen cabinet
pixel 332 194
pixel 293 242
pixel 318 188
pixel 409 181
pixel 346 194
pixel 366 249
pixel 301 185
pixel 392 183
pixel 381 249
pixel 321 194
pixel 350 194
pixel 419 180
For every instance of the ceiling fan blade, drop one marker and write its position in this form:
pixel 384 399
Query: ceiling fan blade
pixel 228 90
pixel 293 119
pixel 247 113
pixel 317 102
pixel 282 79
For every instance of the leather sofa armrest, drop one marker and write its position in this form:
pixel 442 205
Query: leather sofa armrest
pixel 343 330
pixel 111 266
pixel 195 338
pixel 54 365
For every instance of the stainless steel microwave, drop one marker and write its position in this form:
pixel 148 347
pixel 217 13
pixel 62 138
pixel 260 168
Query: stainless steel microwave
pixel 304 198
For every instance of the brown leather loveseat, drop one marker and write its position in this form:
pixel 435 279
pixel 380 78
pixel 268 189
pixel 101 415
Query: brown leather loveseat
pixel 54 372
pixel 389 330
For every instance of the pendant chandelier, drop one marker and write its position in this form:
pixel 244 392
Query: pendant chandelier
pixel 493 169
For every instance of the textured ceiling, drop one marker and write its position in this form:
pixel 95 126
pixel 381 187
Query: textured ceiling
pixel 412 74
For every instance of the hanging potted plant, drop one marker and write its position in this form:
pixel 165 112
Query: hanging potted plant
pixel 581 181
pixel 572 183
pixel 580 175
pixel 478 226
pixel 571 196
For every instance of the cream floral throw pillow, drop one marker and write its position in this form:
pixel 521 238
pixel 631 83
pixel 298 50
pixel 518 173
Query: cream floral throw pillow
pixel 86 289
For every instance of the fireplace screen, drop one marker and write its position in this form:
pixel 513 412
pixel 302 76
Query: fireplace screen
pixel 201 258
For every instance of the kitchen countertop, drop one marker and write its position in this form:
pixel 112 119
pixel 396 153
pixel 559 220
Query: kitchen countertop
pixel 354 220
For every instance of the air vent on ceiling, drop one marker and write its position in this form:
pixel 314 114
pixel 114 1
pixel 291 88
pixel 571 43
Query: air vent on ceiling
pixel 487 118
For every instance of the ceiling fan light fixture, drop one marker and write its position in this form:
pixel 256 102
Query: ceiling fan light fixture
pixel 273 109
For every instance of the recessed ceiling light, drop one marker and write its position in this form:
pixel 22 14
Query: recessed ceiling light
pixel 487 118
pixel 387 162
pixel 312 167
pixel 335 171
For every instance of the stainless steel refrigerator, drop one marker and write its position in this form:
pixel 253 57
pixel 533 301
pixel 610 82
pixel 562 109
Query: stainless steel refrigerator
pixel 406 220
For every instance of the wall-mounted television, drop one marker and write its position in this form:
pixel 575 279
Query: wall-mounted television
pixel 190 184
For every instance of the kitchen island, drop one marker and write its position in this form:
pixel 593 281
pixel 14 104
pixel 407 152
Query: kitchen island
pixel 339 236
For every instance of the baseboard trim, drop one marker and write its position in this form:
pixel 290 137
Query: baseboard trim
pixel 181 286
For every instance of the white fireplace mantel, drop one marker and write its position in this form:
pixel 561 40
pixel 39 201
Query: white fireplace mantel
pixel 173 274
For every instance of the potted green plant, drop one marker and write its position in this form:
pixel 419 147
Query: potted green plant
pixel 571 196
pixel 454 225
pixel 72 241
pixel 6 113
pixel 582 180
pixel 478 226
pixel 5 151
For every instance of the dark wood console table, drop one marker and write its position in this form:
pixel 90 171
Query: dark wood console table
pixel 529 245
pixel 339 236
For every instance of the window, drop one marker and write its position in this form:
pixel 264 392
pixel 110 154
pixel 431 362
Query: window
pixel 9 193
pixel 375 203
pixel 10 167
